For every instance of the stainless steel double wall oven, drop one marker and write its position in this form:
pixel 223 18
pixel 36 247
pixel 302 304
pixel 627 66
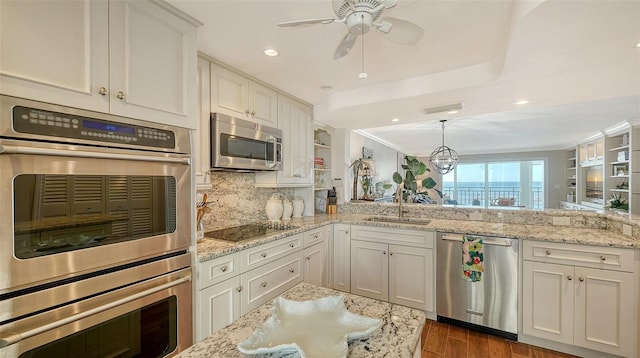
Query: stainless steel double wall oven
pixel 94 234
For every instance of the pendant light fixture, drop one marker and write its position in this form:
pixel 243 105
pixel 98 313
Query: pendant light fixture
pixel 443 159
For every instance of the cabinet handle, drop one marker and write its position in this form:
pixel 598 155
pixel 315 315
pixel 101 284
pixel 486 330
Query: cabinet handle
pixel 102 91
pixel 315 237
pixel 308 258
pixel 239 289
pixel 264 254
pixel 246 112
pixel 253 113
pixel 264 284
pixel 384 252
pixel 548 252
pixel 569 278
pixel 390 253
pixel 223 268
pixel 347 232
pixel 581 279
pixel 602 258
pixel 291 271
pixel 120 95
pixel 291 245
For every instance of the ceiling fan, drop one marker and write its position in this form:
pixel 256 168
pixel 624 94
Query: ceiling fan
pixel 362 15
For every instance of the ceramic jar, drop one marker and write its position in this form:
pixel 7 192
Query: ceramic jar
pixel 298 207
pixel 287 209
pixel 274 208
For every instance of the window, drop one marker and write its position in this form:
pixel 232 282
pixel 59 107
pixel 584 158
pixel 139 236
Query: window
pixel 496 184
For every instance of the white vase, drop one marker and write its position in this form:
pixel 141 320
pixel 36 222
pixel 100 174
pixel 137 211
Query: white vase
pixel 298 207
pixel 274 208
pixel 287 209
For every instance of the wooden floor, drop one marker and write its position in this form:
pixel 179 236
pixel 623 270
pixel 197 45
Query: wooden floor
pixel 444 340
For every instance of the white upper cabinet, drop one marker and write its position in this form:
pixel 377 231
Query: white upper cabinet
pixel 129 58
pixel 237 96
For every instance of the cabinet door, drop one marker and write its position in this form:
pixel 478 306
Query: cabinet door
pixel 548 301
pixel 604 311
pixel 341 257
pixel 219 306
pixel 229 92
pixel 56 52
pixel 153 60
pixel 411 277
pixel 328 233
pixel 297 133
pixel 315 267
pixel 263 104
pixel 201 141
pixel 370 269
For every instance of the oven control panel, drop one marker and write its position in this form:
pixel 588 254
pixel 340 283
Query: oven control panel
pixel 54 124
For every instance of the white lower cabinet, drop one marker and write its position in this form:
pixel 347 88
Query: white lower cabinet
pixel 341 257
pixel 590 307
pixel 316 257
pixel 219 307
pixel 389 272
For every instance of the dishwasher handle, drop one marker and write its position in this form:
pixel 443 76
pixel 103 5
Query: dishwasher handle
pixel 485 240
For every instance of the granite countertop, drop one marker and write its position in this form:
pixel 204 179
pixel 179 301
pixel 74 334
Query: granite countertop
pixel 209 249
pixel 398 336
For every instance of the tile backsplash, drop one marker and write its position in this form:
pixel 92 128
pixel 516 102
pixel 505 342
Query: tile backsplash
pixel 235 200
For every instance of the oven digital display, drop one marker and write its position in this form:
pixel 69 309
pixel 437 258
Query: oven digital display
pixel 107 127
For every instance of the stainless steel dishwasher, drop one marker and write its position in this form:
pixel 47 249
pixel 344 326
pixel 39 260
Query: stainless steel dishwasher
pixel 489 305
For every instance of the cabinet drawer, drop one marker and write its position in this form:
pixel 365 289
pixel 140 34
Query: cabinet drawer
pixel 610 258
pixel 263 254
pixel 393 236
pixel 312 237
pixel 218 270
pixel 267 282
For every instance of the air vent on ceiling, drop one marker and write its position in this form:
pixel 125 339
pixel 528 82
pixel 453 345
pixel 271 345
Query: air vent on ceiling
pixel 444 108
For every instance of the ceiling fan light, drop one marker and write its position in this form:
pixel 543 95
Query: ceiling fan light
pixel 363 75
pixel 271 52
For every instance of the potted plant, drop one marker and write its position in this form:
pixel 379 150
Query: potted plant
pixel 413 168
pixel 617 202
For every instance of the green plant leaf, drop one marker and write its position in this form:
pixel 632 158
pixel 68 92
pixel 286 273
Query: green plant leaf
pixel 422 169
pixel 410 176
pixel 438 191
pixel 412 186
pixel 397 178
pixel 409 158
pixel 405 167
pixel 428 183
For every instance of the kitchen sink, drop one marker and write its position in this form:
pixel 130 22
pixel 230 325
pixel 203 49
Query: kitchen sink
pixel 395 220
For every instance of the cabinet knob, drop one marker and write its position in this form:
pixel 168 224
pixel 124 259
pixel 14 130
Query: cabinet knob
pixel 246 112
pixel 120 95
pixel 384 252
pixel 347 232
pixel 291 245
pixel 581 279
pixel 264 284
pixel 102 91
pixel 253 113
pixel 390 253
pixel 308 258
pixel 239 289
pixel 264 254
pixel 223 268
pixel 315 237
pixel 548 252
pixel 602 258
pixel 291 271
pixel 569 278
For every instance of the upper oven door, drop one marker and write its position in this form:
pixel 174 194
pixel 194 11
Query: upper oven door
pixel 68 210
pixel 240 144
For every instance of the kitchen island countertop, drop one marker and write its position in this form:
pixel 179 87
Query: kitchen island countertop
pixel 398 336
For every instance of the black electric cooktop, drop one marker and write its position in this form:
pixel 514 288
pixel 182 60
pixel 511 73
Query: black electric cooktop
pixel 247 232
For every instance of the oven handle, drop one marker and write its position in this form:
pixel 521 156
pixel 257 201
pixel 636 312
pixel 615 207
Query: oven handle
pixel 10 149
pixel 17 337
pixel 485 240
pixel 275 152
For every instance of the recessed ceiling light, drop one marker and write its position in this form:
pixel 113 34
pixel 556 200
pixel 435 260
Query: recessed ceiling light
pixel 521 102
pixel 271 52
pixel 638 45
pixel 395 120
pixel 452 112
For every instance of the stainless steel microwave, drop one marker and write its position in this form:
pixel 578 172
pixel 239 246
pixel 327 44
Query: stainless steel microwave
pixel 238 144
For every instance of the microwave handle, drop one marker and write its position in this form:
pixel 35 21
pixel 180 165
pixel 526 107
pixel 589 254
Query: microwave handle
pixel 274 162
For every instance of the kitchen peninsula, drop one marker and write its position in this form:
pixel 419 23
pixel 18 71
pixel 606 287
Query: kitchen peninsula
pixel 399 335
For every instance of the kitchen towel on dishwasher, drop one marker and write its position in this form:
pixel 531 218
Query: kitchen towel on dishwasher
pixel 472 258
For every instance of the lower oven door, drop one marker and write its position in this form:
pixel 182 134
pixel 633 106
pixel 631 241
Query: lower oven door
pixel 67 210
pixel 151 318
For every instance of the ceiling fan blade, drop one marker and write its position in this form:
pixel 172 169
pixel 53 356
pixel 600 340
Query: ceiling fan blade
pixel 321 20
pixel 345 45
pixel 390 3
pixel 400 31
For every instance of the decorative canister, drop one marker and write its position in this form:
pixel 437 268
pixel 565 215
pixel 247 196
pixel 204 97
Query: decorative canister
pixel 298 207
pixel 287 209
pixel 274 208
